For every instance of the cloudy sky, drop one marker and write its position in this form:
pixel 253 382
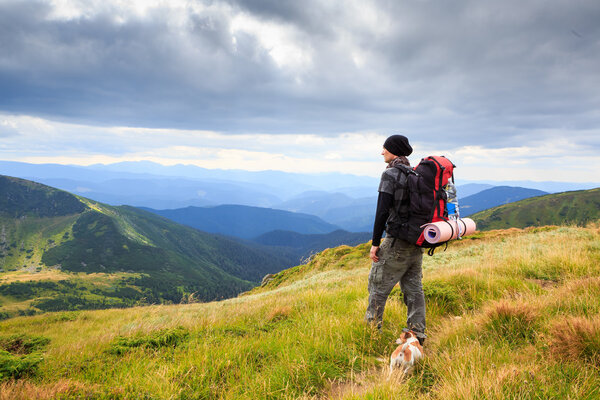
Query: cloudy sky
pixel 507 89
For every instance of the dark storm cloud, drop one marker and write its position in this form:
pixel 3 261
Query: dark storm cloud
pixel 98 70
pixel 467 72
pixel 512 66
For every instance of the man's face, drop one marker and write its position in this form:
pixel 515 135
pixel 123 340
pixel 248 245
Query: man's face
pixel 387 156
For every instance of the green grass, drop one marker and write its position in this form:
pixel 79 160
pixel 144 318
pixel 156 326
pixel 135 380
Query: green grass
pixel 511 314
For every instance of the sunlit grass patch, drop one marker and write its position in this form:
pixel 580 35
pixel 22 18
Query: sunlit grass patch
pixel 513 322
pixel 578 297
pixel 339 258
pixel 443 295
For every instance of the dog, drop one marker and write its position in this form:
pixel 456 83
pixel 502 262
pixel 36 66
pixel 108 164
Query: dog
pixel 407 353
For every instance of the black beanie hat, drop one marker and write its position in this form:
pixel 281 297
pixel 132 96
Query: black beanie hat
pixel 398 145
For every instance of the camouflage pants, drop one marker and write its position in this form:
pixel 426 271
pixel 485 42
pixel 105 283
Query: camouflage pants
pixel 400 263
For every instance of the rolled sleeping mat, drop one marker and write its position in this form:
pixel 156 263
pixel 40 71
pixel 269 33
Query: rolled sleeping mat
pixel 443 231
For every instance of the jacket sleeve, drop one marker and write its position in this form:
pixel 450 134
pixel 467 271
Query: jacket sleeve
pixel 384 202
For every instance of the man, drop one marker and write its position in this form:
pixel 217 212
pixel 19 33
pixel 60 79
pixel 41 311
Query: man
pixel 395 260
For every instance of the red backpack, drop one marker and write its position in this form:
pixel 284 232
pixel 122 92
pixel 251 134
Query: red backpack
pixel 426 198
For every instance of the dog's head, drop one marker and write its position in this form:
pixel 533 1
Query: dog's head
pixel 405 336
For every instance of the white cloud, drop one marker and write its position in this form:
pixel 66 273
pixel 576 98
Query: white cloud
pixel 282 42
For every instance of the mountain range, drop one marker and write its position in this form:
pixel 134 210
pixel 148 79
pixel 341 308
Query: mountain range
pixel 155 186
pixel 59 251
pixel 290 235
pixel 244 221
pixel 155 260
pixel 147 184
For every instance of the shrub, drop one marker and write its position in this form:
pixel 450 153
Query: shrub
pixel 14 366
pixel 162 338
pixel 20 355
pixel 576 338
pixel 23 344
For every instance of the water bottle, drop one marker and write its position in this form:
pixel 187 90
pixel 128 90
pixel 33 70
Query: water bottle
pixel 452 206
pixel 452 201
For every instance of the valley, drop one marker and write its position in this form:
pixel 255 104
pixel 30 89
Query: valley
pixel 60 252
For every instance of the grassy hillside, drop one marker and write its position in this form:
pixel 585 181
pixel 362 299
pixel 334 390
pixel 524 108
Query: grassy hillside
pixel 577 207
pixel 62 252
pixel 511 314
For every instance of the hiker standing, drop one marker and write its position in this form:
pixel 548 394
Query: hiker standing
pixel 396 260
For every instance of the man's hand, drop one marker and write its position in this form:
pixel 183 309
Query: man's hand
pixel 373 253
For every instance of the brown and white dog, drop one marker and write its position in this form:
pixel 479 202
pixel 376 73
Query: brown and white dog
pixel 407 353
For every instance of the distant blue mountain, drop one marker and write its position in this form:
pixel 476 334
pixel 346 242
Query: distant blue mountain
pixel 495 196
pixel 143 189
pixel 244 221
pixel 165 192
pixel 147 184
pixel 299 246
pixel 316 202
pixel 285 183
pixel 352 214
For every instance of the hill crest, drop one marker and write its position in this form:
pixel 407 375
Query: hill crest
pixel 22 198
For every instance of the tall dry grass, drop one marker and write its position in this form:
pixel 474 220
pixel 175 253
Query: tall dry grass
pixel 494 305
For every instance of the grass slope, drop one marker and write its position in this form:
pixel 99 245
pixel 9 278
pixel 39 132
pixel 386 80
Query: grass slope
pixel 71 248
pixel 511 314
pixel 577 207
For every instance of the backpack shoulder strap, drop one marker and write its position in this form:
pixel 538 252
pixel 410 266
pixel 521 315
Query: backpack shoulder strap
pixel 406 169
pixel 402 190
